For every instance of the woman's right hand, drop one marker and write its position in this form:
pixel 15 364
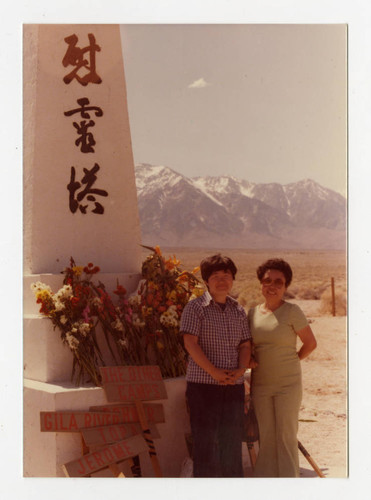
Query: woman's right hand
pixel 253 363
pixel 221 376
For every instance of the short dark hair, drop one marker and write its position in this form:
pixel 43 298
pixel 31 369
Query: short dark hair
pixel 278 265
pixel 217 262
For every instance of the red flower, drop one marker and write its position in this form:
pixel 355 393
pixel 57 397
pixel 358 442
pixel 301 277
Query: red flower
pixel 90 269
pixel 120 290
pixel 75 301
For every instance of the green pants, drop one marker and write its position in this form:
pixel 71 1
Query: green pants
pixel 277 412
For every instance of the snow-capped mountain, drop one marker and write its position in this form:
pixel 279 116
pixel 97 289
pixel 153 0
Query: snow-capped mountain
pixel 229 212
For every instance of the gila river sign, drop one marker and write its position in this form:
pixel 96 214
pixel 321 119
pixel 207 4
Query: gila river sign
pixel 73 421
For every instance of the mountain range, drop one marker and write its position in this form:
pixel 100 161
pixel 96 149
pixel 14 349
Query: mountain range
pixel 227 212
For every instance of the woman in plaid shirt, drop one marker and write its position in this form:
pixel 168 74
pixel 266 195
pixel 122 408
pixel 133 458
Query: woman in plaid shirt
pixel 218 340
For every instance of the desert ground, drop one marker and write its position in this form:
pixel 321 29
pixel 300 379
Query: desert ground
pixel 323 412
pixel 323 415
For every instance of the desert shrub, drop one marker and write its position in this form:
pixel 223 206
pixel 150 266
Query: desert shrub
pixel 340 301
pixel 249 298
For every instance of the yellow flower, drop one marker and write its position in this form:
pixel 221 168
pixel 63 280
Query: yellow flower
pixel 43 294
pixel 160 345
pixel 197 292
pixel 77 270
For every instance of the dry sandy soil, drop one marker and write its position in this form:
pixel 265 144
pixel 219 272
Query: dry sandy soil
pixel 323 413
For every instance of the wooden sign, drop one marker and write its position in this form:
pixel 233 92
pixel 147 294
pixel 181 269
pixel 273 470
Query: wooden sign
pixel 118 374
pixel 135 391
pixel 132 383
pixel 153 411
pixel 137 384
pixel 92 462
pixel 73 421
pixel 112 433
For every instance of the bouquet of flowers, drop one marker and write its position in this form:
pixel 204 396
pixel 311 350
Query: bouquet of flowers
pixel 73 310
pixel 156 307
pixel 140 329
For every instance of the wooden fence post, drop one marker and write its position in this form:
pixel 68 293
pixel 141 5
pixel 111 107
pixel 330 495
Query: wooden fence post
pixel 333 296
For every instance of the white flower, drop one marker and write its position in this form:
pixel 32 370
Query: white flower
pixel 123 343
pixel 63 319
pixel 117 325
pixel 72 341
pixel 170 317
pixel 96 302
pixel 58 305
pixel 38 287
pixel 134 300
pixel 137 321
pixel 84 329
pixel 65 292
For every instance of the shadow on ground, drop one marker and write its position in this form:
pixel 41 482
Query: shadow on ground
pixel 310 472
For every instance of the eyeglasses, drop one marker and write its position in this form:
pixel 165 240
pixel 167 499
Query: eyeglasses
pixel 278 283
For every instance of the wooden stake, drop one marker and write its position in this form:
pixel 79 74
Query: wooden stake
pixel 85 449
pixel 148 438
pixel 135 467
pixel 310 460
pixel 252 454
pixel 116 471
pixel 333 296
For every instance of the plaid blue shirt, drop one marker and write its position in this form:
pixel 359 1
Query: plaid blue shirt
pixel 219 332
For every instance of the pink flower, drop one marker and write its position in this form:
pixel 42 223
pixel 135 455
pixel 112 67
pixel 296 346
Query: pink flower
pixel 85 314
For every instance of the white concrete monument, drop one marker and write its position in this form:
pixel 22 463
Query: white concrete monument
pixel 79 200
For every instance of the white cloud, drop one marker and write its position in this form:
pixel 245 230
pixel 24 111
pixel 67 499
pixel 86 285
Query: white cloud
pixel 199 84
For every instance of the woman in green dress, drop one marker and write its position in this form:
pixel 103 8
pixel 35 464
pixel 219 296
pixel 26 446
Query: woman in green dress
pixel 276 377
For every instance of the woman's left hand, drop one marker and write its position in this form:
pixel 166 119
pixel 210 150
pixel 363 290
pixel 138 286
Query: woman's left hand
pixel 253 363
pixel 236 374
pixel 309 342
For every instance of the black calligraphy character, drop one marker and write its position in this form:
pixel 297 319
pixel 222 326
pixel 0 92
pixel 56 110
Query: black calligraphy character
pixel 84 108
pixel 86 140
pixel 88 179
pixel 75 57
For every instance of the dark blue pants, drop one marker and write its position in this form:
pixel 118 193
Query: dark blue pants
pixel 216 415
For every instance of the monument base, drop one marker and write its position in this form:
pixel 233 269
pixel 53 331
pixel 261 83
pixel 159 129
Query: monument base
pixel 45 452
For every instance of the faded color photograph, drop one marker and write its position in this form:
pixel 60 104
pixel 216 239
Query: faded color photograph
pixel 185 293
